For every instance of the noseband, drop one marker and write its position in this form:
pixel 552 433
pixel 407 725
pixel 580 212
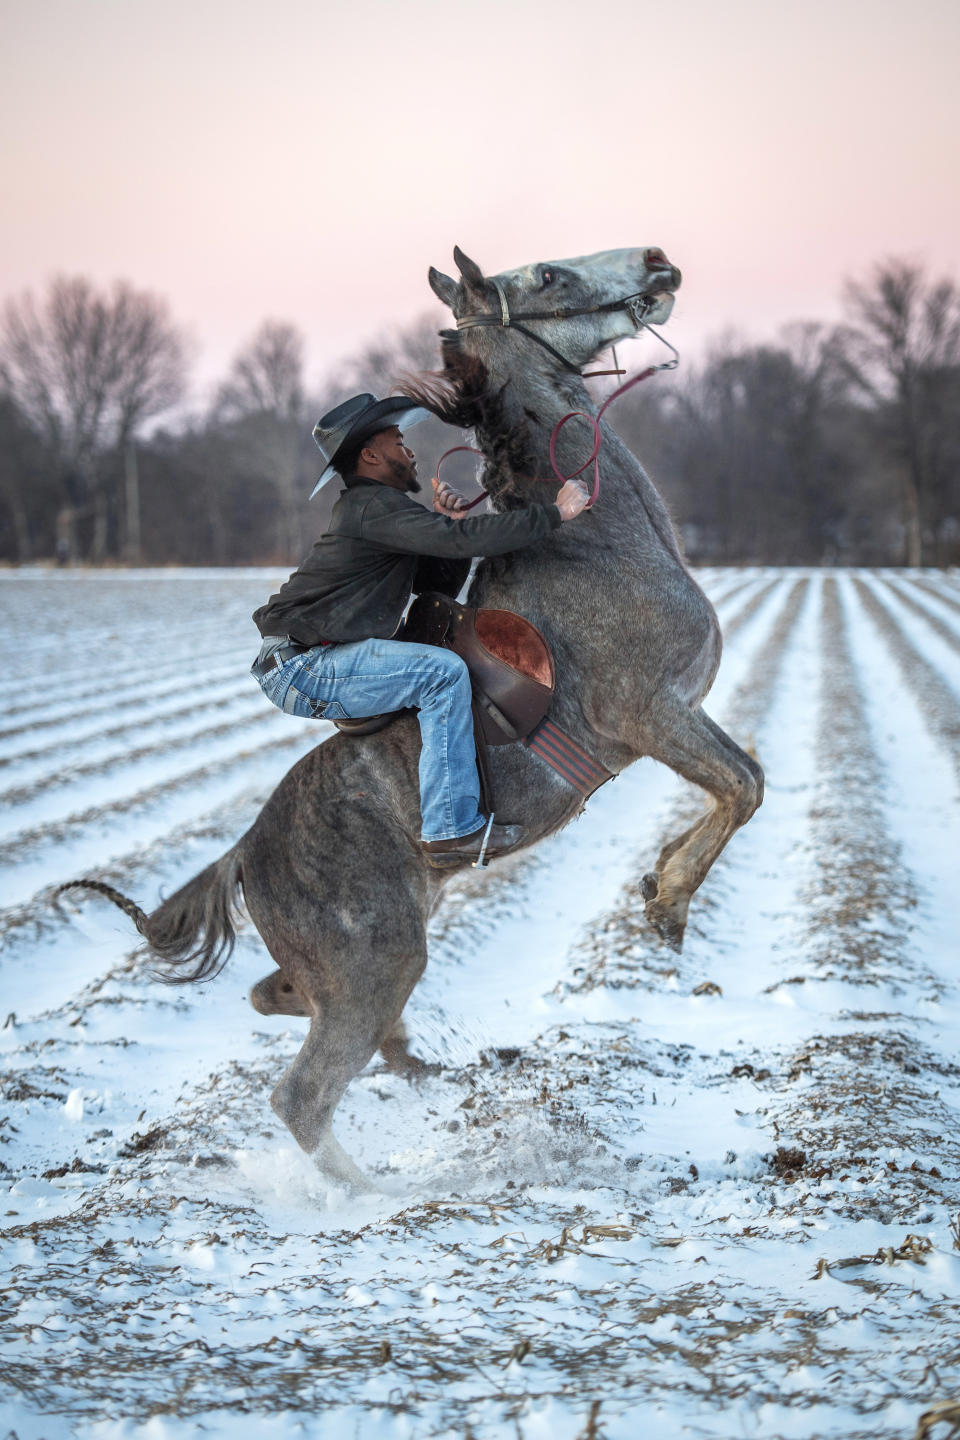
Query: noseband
pixel 637 306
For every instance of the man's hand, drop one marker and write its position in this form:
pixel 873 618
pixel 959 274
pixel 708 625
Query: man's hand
pixel 446 501
pixel 571 499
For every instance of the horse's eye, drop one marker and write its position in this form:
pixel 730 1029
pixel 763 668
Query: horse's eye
pixel 547 277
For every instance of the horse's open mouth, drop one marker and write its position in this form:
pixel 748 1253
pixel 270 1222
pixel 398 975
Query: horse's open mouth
pixel 656 302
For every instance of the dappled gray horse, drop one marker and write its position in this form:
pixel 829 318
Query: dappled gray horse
pixel 331 871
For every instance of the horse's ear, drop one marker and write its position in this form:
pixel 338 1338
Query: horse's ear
pixel 442 286
pixel 469 269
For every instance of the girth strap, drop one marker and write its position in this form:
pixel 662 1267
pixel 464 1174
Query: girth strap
pixel 568 758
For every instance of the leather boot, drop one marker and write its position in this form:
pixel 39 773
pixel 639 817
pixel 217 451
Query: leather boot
pixel 445 854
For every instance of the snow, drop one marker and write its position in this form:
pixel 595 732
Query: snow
pixel 707 1195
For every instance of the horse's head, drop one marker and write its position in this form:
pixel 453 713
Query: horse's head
pixel 576 307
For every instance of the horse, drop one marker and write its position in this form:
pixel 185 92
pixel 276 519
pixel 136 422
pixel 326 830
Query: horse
pixel 331 871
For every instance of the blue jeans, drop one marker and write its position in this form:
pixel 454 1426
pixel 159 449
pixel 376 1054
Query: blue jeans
pixel 368 677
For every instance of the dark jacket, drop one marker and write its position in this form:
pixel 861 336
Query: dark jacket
pixel 382 546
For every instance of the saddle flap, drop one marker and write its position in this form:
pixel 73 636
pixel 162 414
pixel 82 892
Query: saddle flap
pixel 509 661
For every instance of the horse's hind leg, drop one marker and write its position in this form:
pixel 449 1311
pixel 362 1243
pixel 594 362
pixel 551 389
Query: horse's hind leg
pixel 351 1022
pixel 277 995
pixel 693 745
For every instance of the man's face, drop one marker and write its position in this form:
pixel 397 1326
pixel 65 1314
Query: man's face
pixel 399 459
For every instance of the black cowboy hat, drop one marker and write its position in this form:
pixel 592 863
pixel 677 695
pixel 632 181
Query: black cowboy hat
pixel 349 424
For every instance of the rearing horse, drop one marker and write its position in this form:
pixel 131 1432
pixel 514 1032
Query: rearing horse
pixel 331 871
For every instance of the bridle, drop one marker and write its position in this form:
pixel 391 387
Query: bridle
pixel 637 305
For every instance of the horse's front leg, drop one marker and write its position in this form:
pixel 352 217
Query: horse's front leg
pixel 694 746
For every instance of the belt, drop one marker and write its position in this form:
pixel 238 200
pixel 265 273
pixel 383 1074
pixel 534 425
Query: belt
pixel 282 653
pixel 280 656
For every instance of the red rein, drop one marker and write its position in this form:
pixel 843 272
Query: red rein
pixel 592 459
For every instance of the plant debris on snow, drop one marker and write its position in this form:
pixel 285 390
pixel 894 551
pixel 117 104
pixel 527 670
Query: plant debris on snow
pixel 632 1193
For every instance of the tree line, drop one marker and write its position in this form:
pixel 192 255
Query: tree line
pixel 828 445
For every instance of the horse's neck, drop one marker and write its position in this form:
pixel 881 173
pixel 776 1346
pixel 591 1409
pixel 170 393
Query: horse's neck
pixel 630 520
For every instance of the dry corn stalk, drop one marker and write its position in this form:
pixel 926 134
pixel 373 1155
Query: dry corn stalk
pixel 946 1413
pixel 913 1247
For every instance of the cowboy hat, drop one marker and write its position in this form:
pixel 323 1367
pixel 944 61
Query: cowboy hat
pixel 354 421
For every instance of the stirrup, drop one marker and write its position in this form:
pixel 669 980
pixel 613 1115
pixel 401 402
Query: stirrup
pixel 481 861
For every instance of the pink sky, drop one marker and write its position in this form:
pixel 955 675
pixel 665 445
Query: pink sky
pixel 308 161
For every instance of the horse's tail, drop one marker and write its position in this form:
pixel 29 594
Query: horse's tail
pixel 195 927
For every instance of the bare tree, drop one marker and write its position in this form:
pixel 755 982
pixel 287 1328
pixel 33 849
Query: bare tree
pixel 262 405
pixel 26 501
pixel 266 376
pixel 748 448
pixel 902 350
pixel 397 351
pixel 88 370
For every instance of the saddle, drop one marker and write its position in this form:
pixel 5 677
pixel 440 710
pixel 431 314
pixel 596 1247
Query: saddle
pixel 510 664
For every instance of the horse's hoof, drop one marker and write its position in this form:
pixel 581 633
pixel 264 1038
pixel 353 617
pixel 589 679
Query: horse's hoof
pixel 335 1165
pixel 400 1061
pixel 649 887
pixel 273 995
pixel 667 925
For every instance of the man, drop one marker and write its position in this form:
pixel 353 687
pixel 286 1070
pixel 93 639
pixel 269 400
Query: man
pixel 327 634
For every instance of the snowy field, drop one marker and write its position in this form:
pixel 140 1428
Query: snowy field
pixel 642 1195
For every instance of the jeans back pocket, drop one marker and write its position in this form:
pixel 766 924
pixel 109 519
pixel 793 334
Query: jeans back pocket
pixel 296 703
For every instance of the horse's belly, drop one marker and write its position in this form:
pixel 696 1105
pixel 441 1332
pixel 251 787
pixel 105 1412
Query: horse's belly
pixel 694 682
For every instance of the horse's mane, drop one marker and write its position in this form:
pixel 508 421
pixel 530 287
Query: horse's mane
pixel 460 394
pixel 455 394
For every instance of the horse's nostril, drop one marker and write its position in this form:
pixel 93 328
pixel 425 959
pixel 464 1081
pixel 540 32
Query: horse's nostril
pixel 656 260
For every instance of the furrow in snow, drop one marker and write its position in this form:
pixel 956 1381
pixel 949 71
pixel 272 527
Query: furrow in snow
pixel 860 1109
pixel 71 826
pixel 745 614
pixel 938 649
pixel 61 680
pixel 75 802
pixel 726 590
pixel 169 860
pixel 116 763
pixel 161 720
pixel 941 592
pixel 874 1113
pixel 948 633
pixel 941 709
pixel 134 697
pixel 93 639
pixel 860 901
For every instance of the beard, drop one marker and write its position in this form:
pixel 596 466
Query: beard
pixel 405 476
